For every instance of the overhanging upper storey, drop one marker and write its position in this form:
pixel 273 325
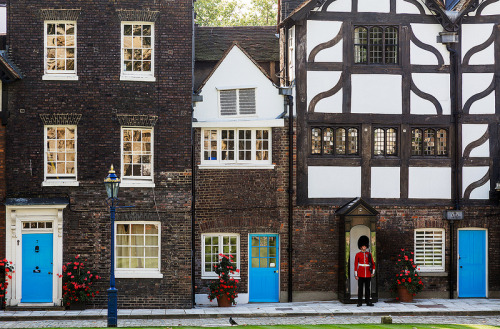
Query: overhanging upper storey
pixel 8 71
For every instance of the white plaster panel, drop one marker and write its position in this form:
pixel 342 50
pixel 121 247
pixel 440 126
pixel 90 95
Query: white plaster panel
pixel 376 93
pixel 385 182
pixel 3 20
pixel 319 32
pixel 429 183
pixel 474 35
pixel 471 133
pixel 403 7
pixel 238 71
pixel 474 83
pixel 374 6
pixel 435 84
pixel 340 6
pixel 427 34
pixel 318 82
pixel 471 175
pixel 334 182
pixel 491 9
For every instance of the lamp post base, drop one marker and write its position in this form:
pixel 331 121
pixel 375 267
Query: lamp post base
pixel 112 307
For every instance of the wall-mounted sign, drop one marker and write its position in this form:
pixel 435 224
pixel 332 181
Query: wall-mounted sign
pixel 454 214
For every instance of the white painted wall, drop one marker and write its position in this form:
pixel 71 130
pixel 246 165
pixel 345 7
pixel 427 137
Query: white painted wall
pixel 319 32
pixel 435 84
pixel 471 175
pixel 427 34
pixel 471 133
pixel 473 83
pixel 3 20
pixel 340 6
pixel 238 71
pixel 429 183
pixel 376 93
pixel 334 182
pixel 318 82
pixel 491 9
pixel 474 35
pixel 385 182
pixel 374 6
pixel 403 7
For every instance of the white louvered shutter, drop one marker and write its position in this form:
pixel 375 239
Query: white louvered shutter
pixel 228 102
pixel 429 249
pixel 247 101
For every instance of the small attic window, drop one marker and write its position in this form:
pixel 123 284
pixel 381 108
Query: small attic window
pixel 237 102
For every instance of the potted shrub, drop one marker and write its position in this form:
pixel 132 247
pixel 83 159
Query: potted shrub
pixel 407 282
pixel 7 269
pixel 78 283
pixel 225 288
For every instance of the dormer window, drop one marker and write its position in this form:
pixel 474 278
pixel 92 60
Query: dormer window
pixel 237 102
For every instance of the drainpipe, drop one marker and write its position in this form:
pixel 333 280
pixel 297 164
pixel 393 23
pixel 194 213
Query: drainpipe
pixel 290 195
pixel 193 171
pixel 451 40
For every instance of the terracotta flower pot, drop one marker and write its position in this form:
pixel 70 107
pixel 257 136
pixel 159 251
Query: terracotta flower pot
pixel 404 295
pixel 223 301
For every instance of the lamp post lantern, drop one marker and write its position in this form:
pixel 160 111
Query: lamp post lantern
pixel 112 183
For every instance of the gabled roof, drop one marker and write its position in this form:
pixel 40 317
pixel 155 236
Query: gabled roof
pixel 235 44
pixel 8 71
pixel 261 42
pixel 355 206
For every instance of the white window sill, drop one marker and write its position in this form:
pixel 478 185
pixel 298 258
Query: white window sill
pixel 57 182
pixel 131 183
pixel 236 166
pixel 215 276
pixel 137 78
pixel 60 77
pixel 138 275
pixel 432 273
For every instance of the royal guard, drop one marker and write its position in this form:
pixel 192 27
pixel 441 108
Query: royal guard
pixel 364 268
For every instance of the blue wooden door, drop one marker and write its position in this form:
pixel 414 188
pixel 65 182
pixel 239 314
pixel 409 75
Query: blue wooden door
pixel 37 268
pixel 264 268
pixel 471 263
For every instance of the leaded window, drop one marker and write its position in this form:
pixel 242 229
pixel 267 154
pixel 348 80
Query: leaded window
pixel 337 141
pixel 376 45
pixel 60 47
pixel 137 49
pixel 429 249
pixel 385 141
pixel 213 245
pixel 429 142
pixel 137 153
pixel 60 152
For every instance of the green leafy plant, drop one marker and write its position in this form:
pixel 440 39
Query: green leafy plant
pixel 78 282
pixel 407 273
pixel 7 268
pixel 224 285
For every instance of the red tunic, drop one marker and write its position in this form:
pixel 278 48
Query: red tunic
pixel 362 265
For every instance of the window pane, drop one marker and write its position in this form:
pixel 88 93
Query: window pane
pixel 441 142
pixel 328 141
pixel 315 141
pixel 61 151
pixel 227 145
pixel 391 146
pixel 429 142
pixel 378 141
pixel 138 152
pixel 137 45
pixel 340 141
pixel 416 142
pixel 360 45
pixel 60 47
pixel 244 145
pixel 131 239
pixel 262 145
pixel 352 141
pixel 391 45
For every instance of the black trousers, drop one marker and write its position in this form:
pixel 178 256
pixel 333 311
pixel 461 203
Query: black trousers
pixel 366 283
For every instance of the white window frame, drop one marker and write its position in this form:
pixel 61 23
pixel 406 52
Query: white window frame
pixel 61 179
pixel 238 114
pixel 59 75
pixel 138 272
pixel 139 75
pixel 236 163
pixel 211 275
pixel 417 249
pixel 142 181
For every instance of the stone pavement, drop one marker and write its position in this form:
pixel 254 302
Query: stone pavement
pixel 463 311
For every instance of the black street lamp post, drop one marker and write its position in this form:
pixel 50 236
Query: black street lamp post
pixel 112 183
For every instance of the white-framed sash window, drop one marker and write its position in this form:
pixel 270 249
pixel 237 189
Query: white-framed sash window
pixel 218 243
pixel 60 50
pixel 137 156
pixel 236 146
pixel 137 51
pixel 138 249
pixel 60 155
pixel 430 249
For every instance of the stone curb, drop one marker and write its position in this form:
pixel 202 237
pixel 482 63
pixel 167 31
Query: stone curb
pixel 243 315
